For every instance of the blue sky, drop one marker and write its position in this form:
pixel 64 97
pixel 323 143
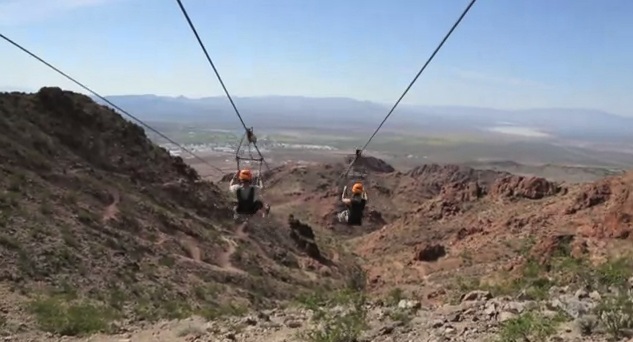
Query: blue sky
pixel 505 54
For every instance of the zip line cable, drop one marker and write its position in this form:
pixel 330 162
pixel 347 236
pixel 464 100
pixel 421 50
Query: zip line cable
pixel 412 82
pixel 108 101
pixel 202 46
pixel 217 74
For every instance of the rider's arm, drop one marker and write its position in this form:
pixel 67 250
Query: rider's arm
pixel 345 200
pixel 235 176
pixel 365 195
pixel 232 186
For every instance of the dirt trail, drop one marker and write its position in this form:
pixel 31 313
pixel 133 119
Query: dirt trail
pixel 112 210
pixel 225 258
pixel 196 254
pixel 162 238
pixel 194 251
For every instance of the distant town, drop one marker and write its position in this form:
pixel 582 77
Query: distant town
pixel 264 146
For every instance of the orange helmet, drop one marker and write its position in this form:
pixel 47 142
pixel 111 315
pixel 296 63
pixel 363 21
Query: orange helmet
pixel 357 188
pixel 246 175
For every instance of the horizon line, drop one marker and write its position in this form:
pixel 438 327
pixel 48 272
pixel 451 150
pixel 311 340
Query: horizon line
pixel 5 89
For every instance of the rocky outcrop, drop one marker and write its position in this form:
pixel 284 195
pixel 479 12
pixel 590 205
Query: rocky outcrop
pixel 610 204
pixel 441 175
pixel 370 164
pixel 558 245
pixel 303 235
pixel 592 195
pixel 524 187
pixel 429 252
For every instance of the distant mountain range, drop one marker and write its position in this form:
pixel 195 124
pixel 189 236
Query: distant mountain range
pixel 345 114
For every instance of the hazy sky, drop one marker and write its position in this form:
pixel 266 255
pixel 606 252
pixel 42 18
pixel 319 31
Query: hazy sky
pixel 505 54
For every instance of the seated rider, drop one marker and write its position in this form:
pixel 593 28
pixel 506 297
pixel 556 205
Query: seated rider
pixel 248 195
pixel 353 215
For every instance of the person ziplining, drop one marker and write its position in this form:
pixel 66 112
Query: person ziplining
pixel 353 214
pixel 247 195
pixel 356 204
pixel 248 192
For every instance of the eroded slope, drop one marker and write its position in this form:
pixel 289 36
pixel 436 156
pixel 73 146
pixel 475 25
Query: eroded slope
pixel 94 214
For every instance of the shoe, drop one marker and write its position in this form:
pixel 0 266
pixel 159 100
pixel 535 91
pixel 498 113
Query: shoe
pixel 266 210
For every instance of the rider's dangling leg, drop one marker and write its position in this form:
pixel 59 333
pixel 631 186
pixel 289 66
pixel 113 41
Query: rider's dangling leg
pixel 343 216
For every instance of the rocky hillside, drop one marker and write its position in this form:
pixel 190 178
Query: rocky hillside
pixel 439 231
pixel 100 228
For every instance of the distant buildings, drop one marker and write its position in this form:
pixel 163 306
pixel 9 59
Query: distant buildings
pixel 264 147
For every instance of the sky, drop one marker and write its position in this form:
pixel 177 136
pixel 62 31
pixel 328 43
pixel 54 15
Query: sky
pixel 506 54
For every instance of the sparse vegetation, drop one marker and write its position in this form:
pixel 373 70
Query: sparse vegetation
pixel 615 312
pixel 339 318
pixel 58 316
pixel 534 279
pixel 611 278
pixel 191 330
pixel 8 200
pixel 529 327
pixel 467 257
pixel 615 308
pixel 400 315
pixel 69 198
pixel 46 209
pixel 214 311
pixel 395 296
pixel 9 242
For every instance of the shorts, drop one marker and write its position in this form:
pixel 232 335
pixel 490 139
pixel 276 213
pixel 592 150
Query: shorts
pixel 257 205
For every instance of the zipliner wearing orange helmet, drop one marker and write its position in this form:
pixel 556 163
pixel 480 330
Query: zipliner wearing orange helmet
pixel 353 215
pixel 248 195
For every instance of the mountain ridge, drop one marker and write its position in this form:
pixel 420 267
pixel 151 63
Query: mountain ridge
pixel 282 111
pixel 323 112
